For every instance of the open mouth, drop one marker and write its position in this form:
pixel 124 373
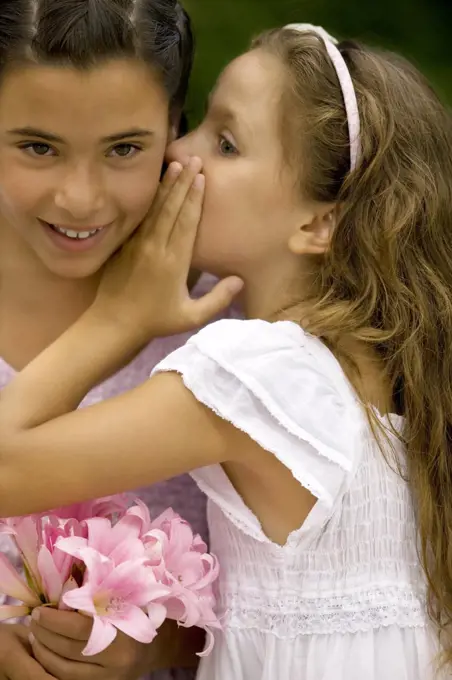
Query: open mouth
pixel 74 235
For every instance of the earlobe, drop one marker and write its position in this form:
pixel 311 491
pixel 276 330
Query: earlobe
pixel 314 238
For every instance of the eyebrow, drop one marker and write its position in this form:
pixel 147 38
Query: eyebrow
pixel 229 116
pixel 49 137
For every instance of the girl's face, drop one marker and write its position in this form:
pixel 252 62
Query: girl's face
pixel 251 206
pixel 81 154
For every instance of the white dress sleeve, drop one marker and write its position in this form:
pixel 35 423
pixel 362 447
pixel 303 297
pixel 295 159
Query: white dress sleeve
pixel 283 388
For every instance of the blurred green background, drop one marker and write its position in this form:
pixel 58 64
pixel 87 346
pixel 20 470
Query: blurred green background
pixel 418 29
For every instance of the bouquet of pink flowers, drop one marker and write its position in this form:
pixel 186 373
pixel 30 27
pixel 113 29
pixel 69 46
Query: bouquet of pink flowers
pixel 114 564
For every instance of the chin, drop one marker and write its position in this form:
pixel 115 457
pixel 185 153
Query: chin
pixel 75 270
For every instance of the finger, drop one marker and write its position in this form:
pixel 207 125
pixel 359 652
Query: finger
pixel 62 668
pixel 24 667
pixel 183 235
pixel 163 222
pixel 60 645
pixel 172 173
pixel 69 624
pixel 165 186
pixel 21 632
pixel 218 299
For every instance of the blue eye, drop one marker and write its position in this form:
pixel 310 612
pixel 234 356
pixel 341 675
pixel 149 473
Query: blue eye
pixel 226 147
pixel 125 150
pixel 38 149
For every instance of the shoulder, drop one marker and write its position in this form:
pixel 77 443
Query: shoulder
pixel 278 353
pixel 254 373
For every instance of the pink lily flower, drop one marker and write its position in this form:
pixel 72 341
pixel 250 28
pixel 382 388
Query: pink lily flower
pixel 108 506
pixel 52 532
pixel 13 611
pixel 141 510
pixel 14 586
pixel 26 534
pixel 52 579
pixel 115 595
pixel 120 542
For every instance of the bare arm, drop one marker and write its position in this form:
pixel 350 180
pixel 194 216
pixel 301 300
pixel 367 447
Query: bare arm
pixel 50 456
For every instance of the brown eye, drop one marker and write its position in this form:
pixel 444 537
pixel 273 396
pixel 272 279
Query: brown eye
pixel 125 150
pixel 37 149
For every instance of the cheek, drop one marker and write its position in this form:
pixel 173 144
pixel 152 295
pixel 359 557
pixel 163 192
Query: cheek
pixel 241 214
pixel 22 192
pixel 134 191
pixel 227 224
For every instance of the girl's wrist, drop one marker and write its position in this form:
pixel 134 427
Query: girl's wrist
pixel 119 331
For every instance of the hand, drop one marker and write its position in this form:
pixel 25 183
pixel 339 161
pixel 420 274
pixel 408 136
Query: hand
pixel 144 287
pixel 58 638
pixel 16 659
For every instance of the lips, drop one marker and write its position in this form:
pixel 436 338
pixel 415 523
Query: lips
pixel 76 233
pixel 75 240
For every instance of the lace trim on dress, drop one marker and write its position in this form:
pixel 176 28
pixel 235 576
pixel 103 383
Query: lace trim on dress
pixel 294 615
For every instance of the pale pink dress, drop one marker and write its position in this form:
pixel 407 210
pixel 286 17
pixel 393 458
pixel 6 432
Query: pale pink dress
pixel 180 493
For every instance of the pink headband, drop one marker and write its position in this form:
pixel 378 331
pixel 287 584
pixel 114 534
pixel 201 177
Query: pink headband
pixel 345 81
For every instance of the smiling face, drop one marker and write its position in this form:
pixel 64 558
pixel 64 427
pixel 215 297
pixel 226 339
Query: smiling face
pixel 251 206
pixel 80 161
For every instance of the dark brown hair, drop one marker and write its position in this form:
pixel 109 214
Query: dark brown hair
pixel 387 279
pixel 81 33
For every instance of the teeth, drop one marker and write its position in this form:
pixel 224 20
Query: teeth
pixel 78 235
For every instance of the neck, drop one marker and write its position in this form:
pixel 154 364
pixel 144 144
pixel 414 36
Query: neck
pixel 272 290
pixel 36 306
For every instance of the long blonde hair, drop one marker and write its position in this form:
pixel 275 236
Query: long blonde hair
pixel 387 280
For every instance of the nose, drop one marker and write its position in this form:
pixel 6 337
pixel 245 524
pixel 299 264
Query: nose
pixel 182 149
pixel 80 192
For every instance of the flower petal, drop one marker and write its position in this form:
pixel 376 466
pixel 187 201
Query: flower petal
pixel 102 635
pixel 51 578
pixel 128 549
pixel 210 641
pixel 156 613
pixel 99 534
pixel 71 545
pixel 127 528
pixel 69 586
pixel 13 611
pixel 141 510
pixel 134 623
pixel 28 542
pixel 12 584
pixel 81 599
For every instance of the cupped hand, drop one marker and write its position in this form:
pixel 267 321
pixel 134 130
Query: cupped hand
pixel 58 638
pixel 16 657
pixel 144 286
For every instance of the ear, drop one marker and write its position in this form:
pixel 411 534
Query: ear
pixel 172 134
pixel 313 235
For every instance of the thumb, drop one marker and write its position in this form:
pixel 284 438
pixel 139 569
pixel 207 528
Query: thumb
pixel 218 299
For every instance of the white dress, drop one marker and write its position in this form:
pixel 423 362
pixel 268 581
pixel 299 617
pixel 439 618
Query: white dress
pixel 344 599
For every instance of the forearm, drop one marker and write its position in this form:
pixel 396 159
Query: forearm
pixel 57 381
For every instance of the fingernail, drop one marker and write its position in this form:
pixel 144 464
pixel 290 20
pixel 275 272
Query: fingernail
pixel 35 614
pixel 31 638
pixel 175 169
pixel 199 182
pixel 236 285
